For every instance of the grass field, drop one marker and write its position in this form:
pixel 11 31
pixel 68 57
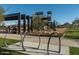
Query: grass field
pixel 72 34
pixel 9 41
pixel 8 52
pixel 74 50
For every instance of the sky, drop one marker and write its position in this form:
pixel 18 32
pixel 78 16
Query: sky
pixel 62 13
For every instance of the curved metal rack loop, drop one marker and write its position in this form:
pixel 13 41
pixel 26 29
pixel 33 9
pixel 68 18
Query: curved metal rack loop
pixel 39 42
pixel 22 40
pixel 4 41
pixel 50 36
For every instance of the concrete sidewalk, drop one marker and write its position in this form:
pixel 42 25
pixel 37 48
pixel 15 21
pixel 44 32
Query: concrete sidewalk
pixel 54 41
pixel 31 48
pixel 31 42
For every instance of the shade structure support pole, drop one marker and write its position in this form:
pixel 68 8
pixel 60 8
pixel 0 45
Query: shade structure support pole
pixel 19 20
pixel 19 31
pixel 28 23
pixel 31 24
pixel 24 24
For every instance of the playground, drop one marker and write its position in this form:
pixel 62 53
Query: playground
pixel 37 34
pixel 30 45
pixel 30 31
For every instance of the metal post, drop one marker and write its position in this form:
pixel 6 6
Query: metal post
pixel 59 45
pixel 22 38
pixel 48 45
pixel 39 42
pixel 28 23
pixel 31 24
pixel 19 18
pixel 23 45
pixel 5 42
pixel 24 24
pixel 8 29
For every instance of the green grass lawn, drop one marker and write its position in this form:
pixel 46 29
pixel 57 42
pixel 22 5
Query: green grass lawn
pixel 8 52
pixel 72 34
pixel 9 41
pixel 74 51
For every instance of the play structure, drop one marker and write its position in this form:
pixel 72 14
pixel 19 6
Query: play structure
pixel 29 30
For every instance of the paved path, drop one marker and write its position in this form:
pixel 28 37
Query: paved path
pixel 54 41
pixel 31 48
pixel 32 41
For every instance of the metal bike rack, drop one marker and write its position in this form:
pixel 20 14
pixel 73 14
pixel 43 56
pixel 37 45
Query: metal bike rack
pixel 59 49
pixel 39 42
pixel 22 42
pixel 48 44
pixel 4 41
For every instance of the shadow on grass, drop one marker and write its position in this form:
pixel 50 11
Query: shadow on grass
pixel 10 52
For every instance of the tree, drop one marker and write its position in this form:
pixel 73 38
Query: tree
pixel 1 15
pixel 38 23
pixel 54 24
pixel 75 21
pixel 66 25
